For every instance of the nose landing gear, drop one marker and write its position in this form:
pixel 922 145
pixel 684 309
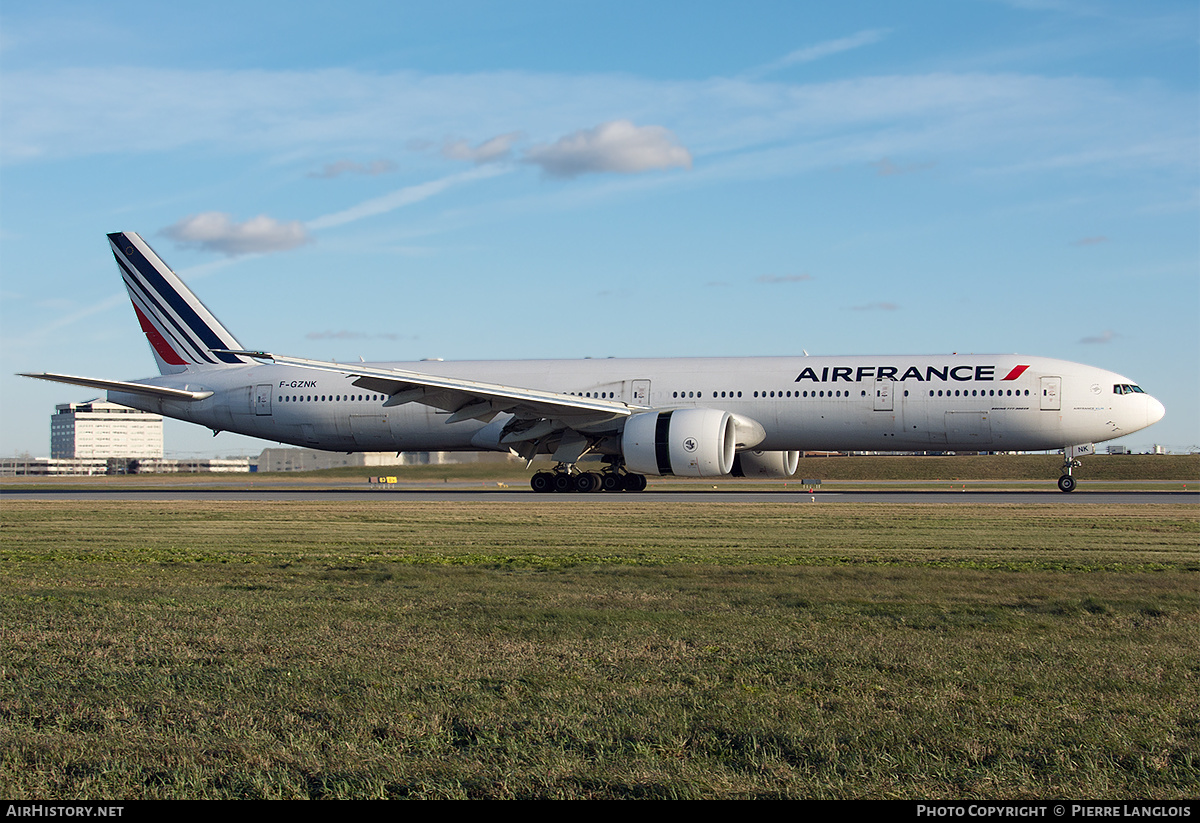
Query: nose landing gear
pixel 1066 483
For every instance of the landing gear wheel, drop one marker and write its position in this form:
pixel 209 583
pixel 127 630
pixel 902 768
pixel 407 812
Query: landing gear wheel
pixel 1066 483
pixel 563 482
pixel 542 482
pixel 587 482
pixel 611 482
pixel 634 482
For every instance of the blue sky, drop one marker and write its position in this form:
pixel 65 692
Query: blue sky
pixel 556 179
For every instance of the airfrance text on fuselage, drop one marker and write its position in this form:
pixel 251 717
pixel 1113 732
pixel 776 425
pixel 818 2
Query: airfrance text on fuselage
pixel 963 374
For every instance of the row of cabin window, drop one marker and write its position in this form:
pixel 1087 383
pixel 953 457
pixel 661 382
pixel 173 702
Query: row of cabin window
pixel 308 398
pixel 963 392
pixel 939 393
pixel 984 393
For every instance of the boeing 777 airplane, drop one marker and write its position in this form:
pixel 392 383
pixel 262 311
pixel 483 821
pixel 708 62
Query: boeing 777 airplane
pixel 607 424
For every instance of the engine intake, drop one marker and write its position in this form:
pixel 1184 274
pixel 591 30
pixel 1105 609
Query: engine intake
pixel 682 442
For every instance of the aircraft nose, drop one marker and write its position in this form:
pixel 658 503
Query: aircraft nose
pixel 1154 411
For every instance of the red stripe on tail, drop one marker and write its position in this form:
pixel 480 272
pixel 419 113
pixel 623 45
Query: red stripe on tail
pixel 159 342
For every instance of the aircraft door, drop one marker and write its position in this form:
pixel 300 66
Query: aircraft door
pixel 262 399
pixel 883 395
pixel 640 393
pixel 1051 393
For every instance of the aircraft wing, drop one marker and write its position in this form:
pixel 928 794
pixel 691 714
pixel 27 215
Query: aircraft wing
pixel 161 392
pixel 536 413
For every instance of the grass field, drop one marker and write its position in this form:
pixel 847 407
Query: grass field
pixel 1036 469
pixel 561 649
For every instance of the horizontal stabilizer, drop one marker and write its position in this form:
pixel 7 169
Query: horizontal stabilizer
pixel 122 386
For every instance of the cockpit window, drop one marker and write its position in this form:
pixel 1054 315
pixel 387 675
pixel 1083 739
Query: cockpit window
pixel 1126 388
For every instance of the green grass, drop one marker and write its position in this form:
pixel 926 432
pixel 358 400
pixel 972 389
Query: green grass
pixel 1037 468
pixel 570 649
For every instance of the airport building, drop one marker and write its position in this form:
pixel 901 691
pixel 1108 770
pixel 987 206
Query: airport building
pixel 307 460
pixel 98 430
pixel 79 466
pixel 98 437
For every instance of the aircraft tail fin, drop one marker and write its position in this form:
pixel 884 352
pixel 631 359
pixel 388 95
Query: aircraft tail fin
pixel 182 332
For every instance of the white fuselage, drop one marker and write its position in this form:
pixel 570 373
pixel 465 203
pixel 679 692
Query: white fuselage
pixel 892 403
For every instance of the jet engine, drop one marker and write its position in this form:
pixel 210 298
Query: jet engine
pixel 682 442
pixel 765 464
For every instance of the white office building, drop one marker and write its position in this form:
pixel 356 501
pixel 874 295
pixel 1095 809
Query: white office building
pixel 99 429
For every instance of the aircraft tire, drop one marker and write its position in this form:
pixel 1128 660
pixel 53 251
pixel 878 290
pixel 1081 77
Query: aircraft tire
pixel 563 482
pixel 611 482
pixel 542 482
pixel 1066 483
pixel 587 482
pixel 635 482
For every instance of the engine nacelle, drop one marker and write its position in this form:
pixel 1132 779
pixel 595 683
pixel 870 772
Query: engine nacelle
pixel 682 442
pixel 765 464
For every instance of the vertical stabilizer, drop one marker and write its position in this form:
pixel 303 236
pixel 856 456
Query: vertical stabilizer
pixel 181 330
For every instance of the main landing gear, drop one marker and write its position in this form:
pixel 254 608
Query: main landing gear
pixel 562 480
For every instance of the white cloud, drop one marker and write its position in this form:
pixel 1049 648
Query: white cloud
pixel 815 52
pixel 218 232
pixel 399 198
pixel 616 146
pixel 783 278
pixel 886 168
pixel 489 151
pixel 66 320
pixel 341 167
pixel 351 335
pixel 1014 123
pixel 1106 336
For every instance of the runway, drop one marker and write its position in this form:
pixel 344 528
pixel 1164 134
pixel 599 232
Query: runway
pixel 521 496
